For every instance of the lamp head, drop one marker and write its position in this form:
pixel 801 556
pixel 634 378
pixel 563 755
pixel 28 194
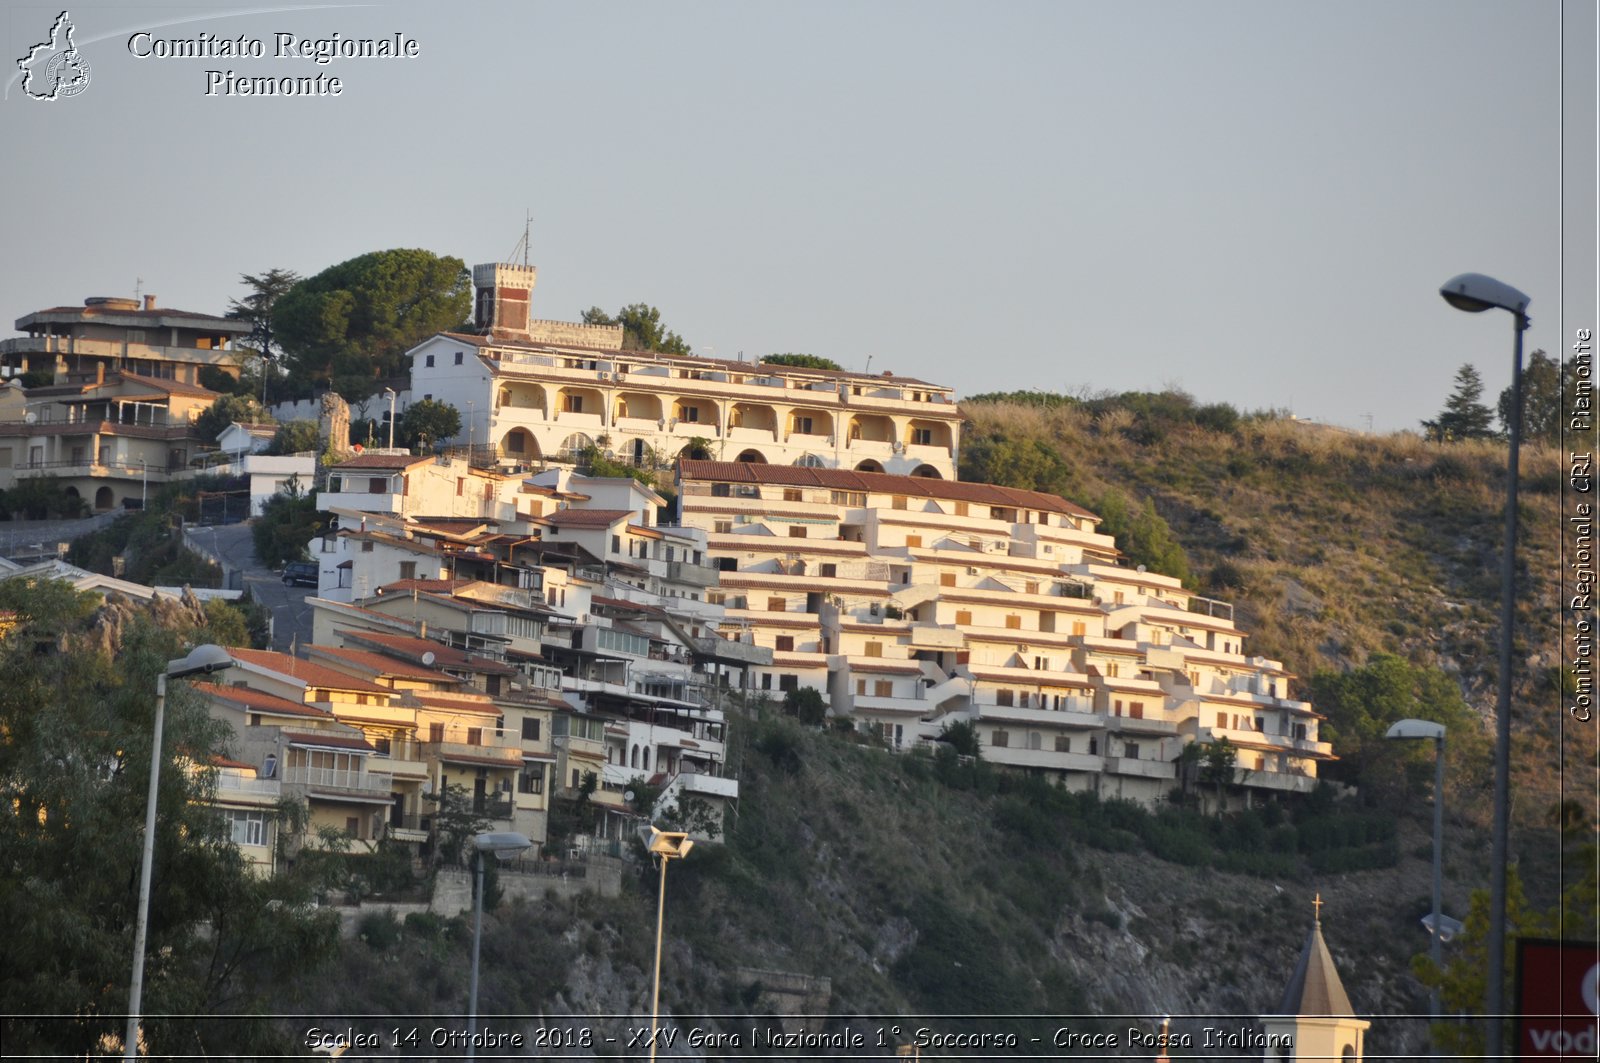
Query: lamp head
pixel 1475 293
pixel 500 842
pixel 1415 729
pixel 201 660
pixel 670 844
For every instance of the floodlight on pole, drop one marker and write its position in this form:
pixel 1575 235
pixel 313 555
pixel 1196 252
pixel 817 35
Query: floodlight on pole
pixel 1475 293
pixel 200 661
pixel 668 845
pixel 1427 729
pixel 504 845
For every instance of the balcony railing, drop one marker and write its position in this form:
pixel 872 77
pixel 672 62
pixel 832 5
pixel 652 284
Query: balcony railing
pixel 337 778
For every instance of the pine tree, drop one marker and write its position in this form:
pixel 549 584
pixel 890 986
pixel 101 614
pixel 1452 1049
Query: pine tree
pixel 1463 416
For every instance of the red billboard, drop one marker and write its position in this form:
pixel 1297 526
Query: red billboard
pixel 1556 999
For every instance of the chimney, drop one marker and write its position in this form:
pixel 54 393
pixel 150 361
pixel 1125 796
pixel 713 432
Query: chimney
pixel 149 302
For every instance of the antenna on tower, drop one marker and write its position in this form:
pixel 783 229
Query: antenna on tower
pixel 138 288
pixel 523 245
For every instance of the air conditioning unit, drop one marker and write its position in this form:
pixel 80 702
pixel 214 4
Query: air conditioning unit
pixel 971 571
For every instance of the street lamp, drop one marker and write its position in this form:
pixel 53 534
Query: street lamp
pixel 503 844
pixel 201 660
pixel 668 845
pixel 1475 293
pixel 1412 729
pixel 389 394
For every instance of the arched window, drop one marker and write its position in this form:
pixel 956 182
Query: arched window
pixel 810 461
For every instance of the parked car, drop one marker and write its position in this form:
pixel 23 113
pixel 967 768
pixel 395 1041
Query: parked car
pixel 300 573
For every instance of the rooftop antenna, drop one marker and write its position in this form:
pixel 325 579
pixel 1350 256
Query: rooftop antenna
pixel 523 245
pixel 138 289
pixel 868 370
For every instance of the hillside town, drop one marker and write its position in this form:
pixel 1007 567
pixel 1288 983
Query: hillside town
pixel 497 632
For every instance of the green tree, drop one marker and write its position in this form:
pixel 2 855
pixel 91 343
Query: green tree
pixel 1218 766
pixel 454 822
pixel 258 310
pixel 807 705
pixel 289 521
pixel 1362 703
pixel 350 326
pixel 1143 535
pixel 1544 414
pixel 75 752
pixel 1463 416
pixel 425 422
pixel 225 411
pixel 295 437
pixel 642 329
pixel 962 737
pixel 1030 464
pixel 803 361
pixel 41 498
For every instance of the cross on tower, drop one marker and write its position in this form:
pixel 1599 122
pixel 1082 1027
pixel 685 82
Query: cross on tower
pixel 1316 905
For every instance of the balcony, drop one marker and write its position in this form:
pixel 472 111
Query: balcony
pixel 493 806
pixel 1042 758
pixel 1148 769
pixel 1135 725
pixel 692 574
pixel 1054 718
pixel 338 780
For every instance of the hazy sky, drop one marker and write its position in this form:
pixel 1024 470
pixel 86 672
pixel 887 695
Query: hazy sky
pixel 1255 201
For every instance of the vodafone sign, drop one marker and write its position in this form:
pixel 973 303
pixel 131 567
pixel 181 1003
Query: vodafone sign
pixel 1558 999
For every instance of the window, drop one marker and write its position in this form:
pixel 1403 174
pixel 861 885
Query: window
pixel 792 494
pixel 1063 744
pixel 784 644
pixel 458 357
pixel 721 490
pixel 572 403
pixel 1079 627
pixel 1035 740
pixel 1130 750
pixel 883 688
pixel 797 531
pixel 1004 698
pixel 690 414
pixel 961 509
pixel 722 527
pixel 1117 707
pixel 766 681
pixel 530 733
pixel 787 683
pixel 247 828
pixel 947 579
pixel 1136 710
pixel 922 437
pixel 777 605
pixel 802 426
pixel 874 649
pixel 408 570
pixel 366 546
pixel 474 736
pixel 898 502
pixel 913 540
pixel 861 687
pixel 1013 622
pixel 1000 739
pixel 429 361
pixel 378 485
pixel 1032 587
pixel 531 779
pixel 829 570
pixel 963 618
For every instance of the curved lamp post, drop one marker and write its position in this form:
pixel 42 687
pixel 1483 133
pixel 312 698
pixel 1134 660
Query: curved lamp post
pixel 201 660
pixel 668 845
pixel 1475 293
pixel 1427 729
pixel 503 844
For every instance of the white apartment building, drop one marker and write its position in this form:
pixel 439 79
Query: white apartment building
pixel 530 390
pixel 914 603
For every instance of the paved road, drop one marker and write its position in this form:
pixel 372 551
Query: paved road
pixel 231 546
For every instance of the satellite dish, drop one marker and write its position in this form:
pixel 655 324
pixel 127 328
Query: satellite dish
pixel 627 795
pixel 427 786
pixel 1141 568
pixel 32 417
pixel 428 658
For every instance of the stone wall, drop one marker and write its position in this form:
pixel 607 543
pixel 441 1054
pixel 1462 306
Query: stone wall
pixel 607 337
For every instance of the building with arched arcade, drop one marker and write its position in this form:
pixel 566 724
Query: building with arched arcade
pixel 532 390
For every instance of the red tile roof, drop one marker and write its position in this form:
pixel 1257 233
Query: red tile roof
pixel 412 649
pixel 314 675
pixel 328 738
pixel 381 664
pixel 587 518
pixel 260 701
pixel 878 483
